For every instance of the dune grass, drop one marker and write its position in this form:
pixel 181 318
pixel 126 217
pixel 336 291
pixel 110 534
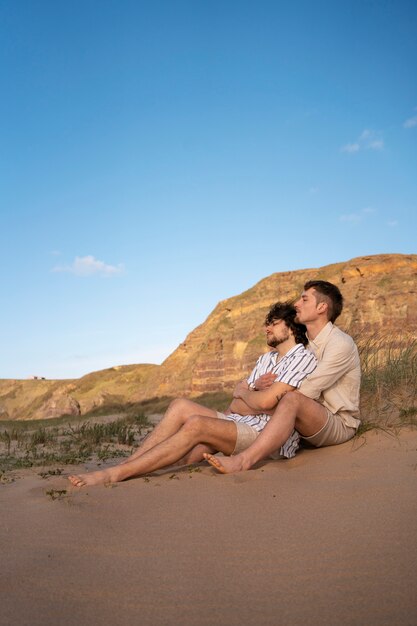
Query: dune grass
pixel 389 383
pixel 27 444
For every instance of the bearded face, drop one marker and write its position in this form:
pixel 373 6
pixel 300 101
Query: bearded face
pixel 276 333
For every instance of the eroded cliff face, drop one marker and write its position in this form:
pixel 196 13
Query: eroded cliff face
pixel 380 295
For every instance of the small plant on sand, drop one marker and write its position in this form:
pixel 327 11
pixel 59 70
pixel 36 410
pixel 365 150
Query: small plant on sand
pixel 6 438
pixel 56 494
pixel 42 436
pixel 55 472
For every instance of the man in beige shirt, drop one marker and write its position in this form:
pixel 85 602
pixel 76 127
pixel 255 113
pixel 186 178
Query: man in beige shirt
pixel 325 410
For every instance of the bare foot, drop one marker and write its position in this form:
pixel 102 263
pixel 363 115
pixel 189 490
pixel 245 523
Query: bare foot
pixel 102 477
pixel 226 465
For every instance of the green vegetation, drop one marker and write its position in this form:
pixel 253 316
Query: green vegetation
pixel 26 444
pixel 389 383
pixel 56 494
pixel 385 282
pixel 219 400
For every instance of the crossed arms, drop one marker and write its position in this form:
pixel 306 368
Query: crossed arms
pixel 263 400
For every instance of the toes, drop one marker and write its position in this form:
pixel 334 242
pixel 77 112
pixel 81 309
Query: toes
pixel 77 481
pixel 213 461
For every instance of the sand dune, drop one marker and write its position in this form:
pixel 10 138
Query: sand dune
pixel 329 537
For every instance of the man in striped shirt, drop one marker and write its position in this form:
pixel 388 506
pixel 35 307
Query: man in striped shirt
pixel 189 430
pixel 288 363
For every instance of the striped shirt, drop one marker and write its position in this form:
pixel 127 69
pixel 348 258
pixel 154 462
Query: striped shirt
pixel 291 369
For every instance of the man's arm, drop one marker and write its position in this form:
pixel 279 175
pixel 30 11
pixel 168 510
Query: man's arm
pixel 264 381
pixel 265 400
pixel 240 407
pixel 254 381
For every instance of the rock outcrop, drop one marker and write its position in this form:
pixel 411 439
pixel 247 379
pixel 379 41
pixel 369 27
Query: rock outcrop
pixel 380 302
pixel 60 403
pixel 380 295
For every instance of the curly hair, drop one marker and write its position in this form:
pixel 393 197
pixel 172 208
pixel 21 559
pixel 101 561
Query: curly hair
pixel 328 293
pixel 286 311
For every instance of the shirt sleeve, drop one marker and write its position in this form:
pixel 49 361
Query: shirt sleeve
pixel 338 358
pixel 255 372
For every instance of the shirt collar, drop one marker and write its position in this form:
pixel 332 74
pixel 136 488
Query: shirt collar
pixel 321 338
pixel 294 349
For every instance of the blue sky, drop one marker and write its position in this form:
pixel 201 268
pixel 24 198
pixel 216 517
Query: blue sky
pixel 157 157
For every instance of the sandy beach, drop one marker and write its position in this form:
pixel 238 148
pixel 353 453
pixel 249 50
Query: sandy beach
pixel 329 537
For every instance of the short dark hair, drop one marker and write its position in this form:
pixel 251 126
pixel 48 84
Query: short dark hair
pixel 329 293
pixel 285 311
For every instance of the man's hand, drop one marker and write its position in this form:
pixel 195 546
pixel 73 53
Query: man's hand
pixel 242 386
pixel 264 381
pixel 265 400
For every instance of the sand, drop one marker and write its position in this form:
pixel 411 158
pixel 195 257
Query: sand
pixel 329 537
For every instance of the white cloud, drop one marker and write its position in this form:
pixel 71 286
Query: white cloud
pixel 366 134
pixel 351 217
pixel 378 144
pixel 313 190
pixel 89 266
pixel 350 147
pixel 392 223
pixel 354 218
pixel 367 140
pixel 412 121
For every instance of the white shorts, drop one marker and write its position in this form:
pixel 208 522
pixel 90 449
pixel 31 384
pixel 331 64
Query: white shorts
pixel 245 435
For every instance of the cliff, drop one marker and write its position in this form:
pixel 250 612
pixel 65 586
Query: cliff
pixel 380 301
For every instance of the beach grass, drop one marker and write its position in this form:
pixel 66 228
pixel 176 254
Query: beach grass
pixel 389 383
pixel 27 444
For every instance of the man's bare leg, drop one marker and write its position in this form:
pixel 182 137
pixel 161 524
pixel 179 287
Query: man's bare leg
pixel 178 412
pixel 293 411
pixel 196 455
pixel 218 434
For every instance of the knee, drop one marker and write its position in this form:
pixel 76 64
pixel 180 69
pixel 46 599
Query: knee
pixel 290 399
pixel 177 406
pixel 194 425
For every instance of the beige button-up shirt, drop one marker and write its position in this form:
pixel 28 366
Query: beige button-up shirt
pixel 335 382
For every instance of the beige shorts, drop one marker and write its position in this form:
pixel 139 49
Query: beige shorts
pixel 245 434
pixel 333 432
